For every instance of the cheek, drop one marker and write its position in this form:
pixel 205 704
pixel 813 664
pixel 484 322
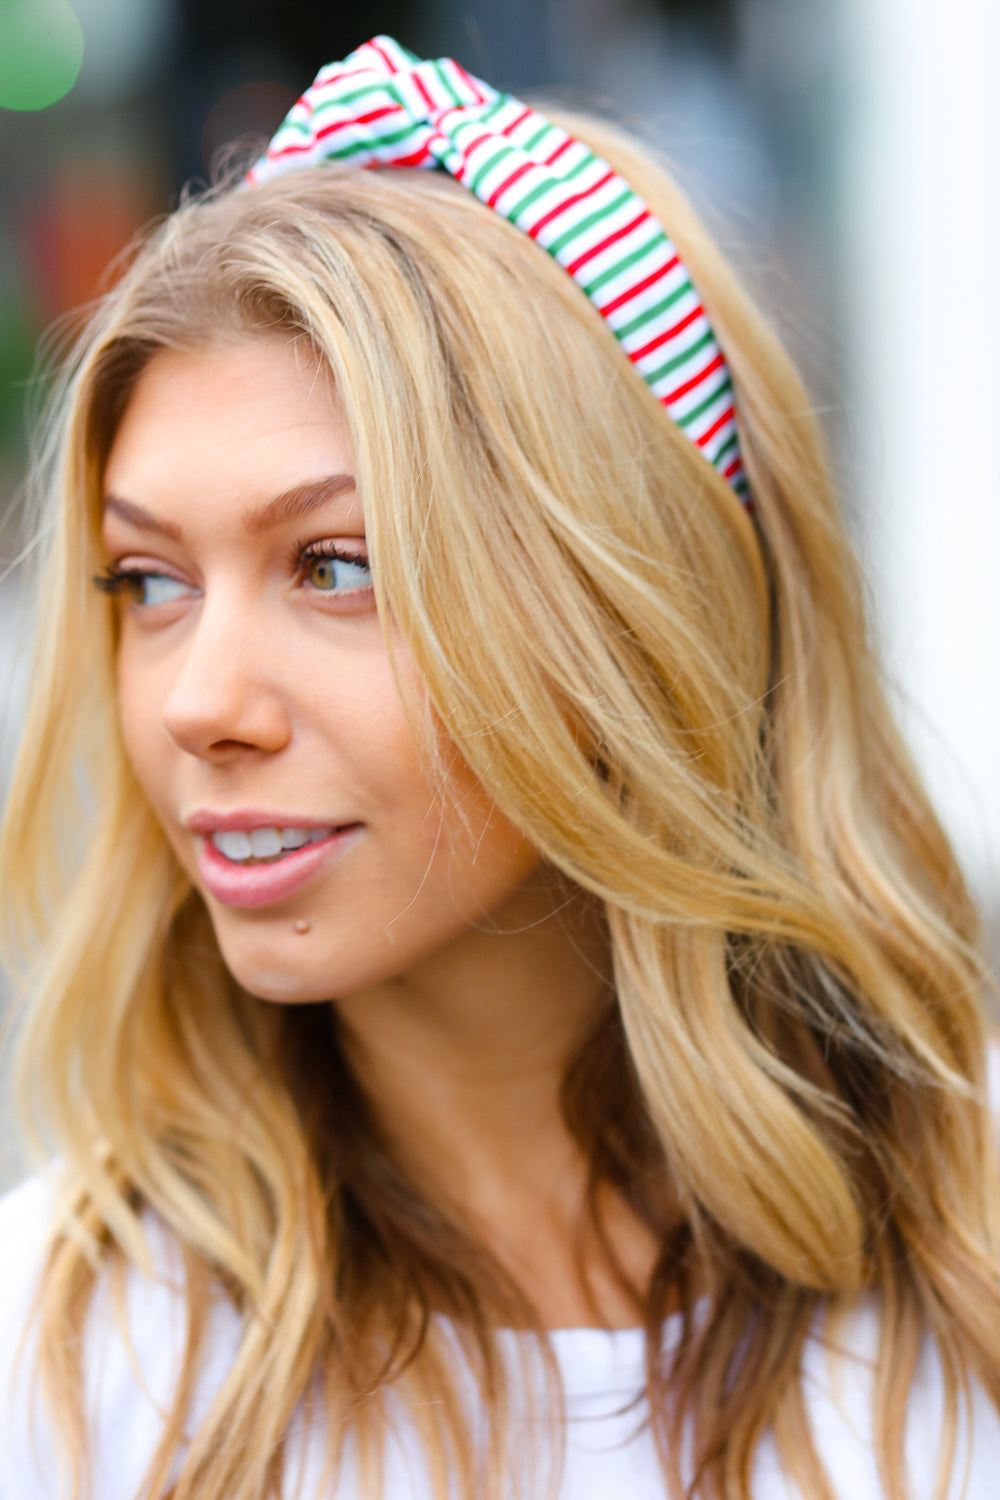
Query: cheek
pixel 133 717
pixel 483 856
pixel 143 736
pixel 465 855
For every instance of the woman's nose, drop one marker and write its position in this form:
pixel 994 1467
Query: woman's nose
pixel 225 700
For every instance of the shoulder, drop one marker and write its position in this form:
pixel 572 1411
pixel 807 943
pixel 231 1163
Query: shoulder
pixel 26 1221
pixel 840 1367
pixel 133 1351
pixel 25 1232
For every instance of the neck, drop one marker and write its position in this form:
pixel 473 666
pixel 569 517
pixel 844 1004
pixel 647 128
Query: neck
pixel 463 1060
pixel 463 1057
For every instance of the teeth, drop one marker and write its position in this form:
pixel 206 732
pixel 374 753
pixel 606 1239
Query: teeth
pixel 233 845
pixel 265 843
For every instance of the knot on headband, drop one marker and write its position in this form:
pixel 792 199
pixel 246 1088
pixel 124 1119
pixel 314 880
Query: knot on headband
pixel 384 107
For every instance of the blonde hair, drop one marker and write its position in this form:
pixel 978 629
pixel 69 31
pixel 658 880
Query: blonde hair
pixel 678 704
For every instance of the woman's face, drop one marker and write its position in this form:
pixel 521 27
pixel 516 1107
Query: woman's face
pixel 258 703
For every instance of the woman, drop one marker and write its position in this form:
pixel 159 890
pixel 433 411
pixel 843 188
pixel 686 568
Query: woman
pixel 513 1025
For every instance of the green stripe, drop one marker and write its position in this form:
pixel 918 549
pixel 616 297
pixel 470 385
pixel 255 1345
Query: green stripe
pixel 446 83
pixel 661 307
pixel 703 406
pixel 680 359
pixel 539 135
pixel 487 166
pixel 494 108
pixel 351 96
pixel 622 265
pixel 585 161
pixel 726 449
pixel 296 125
pixel 391 138
pixel 597 217
pixel 547 185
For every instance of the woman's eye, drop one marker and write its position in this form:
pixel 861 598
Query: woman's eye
pixel 332 573
pixel 156 588
pixel 144 587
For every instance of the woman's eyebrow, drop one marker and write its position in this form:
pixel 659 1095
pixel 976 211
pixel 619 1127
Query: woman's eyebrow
pixel 139 517
pixel 300 500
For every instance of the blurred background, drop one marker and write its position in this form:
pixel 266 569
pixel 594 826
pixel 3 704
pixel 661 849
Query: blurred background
pixel 846 151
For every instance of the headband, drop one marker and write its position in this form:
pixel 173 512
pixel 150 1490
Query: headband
pixel 384 107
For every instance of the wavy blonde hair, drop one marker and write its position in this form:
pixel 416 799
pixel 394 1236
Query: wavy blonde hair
pixel 678 704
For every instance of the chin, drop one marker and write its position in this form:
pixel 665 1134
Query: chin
pixel 271 978
pixel 274 970
pixel 280 985
pixel 309 968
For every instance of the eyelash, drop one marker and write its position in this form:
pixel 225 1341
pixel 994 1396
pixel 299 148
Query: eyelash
pixel 302 554
pixel 117 581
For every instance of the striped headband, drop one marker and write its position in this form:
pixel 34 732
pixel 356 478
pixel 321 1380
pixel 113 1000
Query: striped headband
pixel 384 107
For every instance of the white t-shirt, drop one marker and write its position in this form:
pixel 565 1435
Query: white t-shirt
pixel 609 1452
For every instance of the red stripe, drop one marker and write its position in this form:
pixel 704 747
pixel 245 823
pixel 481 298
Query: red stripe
pixel 332 78
pixel 509 129
pixel 550 160
pixel 468 150
pixel 731 469
pixel 640 286
pixel 689 385
pixel 368 119
pixel 561 208
pixel 384 56
pixel 414 160
pixel 661 338
pixel 423 91
pixel 464 151
pixel 619 234
pixel 473 85
pixel 517 173
pixel 707 437
pixel 289 151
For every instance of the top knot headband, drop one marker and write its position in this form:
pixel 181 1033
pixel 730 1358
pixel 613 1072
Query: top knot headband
pixel 384 107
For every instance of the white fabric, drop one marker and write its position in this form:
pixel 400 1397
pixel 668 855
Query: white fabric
pixel 609 1454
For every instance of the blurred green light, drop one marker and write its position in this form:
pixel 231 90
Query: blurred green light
pixel 41 49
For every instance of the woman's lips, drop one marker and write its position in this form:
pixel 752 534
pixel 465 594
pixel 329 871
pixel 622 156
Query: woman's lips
pixel 266 884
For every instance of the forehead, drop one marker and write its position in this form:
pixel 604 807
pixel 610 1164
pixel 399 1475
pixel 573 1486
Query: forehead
pixel 233 423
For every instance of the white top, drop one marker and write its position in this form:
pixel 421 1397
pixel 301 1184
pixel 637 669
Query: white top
pixel 609 1452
